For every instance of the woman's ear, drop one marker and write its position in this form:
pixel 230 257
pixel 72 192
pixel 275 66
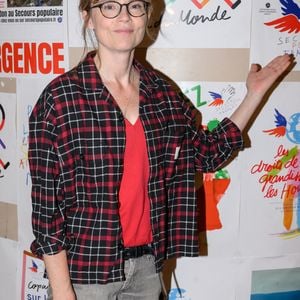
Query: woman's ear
pixel 86 17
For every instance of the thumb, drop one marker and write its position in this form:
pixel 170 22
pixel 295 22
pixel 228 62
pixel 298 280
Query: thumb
pixel 255 68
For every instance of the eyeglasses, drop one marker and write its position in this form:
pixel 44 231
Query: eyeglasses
pixel 111 9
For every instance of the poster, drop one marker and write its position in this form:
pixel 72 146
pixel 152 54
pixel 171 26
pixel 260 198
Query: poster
pixel 219 215
pixel 37 43
pixel 268 278
pixel 34 283
pixel 204 24
pixel 271 178
pixel 193 277
pixel 275 30
pixel 276 284
pixel 8 134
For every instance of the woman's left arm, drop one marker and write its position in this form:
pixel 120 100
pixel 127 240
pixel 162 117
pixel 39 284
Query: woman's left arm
pixel 259 81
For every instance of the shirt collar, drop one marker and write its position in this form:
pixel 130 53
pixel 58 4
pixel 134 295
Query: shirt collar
pixel 88 74
pixel 91 80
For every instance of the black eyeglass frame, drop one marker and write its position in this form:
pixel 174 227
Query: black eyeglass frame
pixel 146 5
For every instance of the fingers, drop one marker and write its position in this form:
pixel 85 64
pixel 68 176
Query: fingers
pixel 277 66
pixel 280 63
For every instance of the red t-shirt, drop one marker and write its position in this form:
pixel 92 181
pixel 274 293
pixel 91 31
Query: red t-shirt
pixel 134 201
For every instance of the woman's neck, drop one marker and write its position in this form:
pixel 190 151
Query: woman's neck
pixel 122 81
pixel 115 68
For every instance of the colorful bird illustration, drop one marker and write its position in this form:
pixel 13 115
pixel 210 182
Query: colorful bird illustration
pixel 281 124
pixel 34 267
pixel 290 21
pixel 217 99
pixel 226 94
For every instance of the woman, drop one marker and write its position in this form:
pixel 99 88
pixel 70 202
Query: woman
pixel 113 152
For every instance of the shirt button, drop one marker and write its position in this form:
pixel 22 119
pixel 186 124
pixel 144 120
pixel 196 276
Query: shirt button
pixel 81 156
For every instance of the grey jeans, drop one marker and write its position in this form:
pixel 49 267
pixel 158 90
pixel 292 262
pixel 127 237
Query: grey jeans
pixel 142 283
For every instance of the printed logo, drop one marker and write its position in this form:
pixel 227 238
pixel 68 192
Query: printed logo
pixel 34 267
pixel 290 22
pixel 217 99
pixel 289 129
pixel 178 294
pixel 191 17
pixel 233 4
pixel 201 4
pixel 3 165
pixel 224 101
pixel 220 99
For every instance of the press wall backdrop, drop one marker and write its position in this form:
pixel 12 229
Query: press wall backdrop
pixel 250 210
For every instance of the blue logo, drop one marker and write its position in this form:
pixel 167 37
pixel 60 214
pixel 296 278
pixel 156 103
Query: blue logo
pixel 178 294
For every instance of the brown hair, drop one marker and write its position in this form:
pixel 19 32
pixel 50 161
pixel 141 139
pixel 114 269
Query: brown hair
pixel 85 5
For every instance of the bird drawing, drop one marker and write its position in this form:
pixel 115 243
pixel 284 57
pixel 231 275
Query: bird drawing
pixel 290 22
pixel 281 123
pixel 34 267
pixel 217 99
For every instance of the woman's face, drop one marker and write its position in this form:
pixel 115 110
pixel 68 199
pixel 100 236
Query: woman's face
pixel 120 34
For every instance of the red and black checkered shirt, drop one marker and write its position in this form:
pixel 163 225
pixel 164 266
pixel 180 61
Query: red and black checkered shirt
pixel 76 152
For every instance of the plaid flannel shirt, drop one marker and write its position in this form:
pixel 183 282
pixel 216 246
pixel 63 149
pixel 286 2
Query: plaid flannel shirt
pixel 76 151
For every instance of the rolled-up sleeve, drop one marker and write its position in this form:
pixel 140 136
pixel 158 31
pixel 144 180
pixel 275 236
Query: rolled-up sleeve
pixel 48 220
pixel 212 149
